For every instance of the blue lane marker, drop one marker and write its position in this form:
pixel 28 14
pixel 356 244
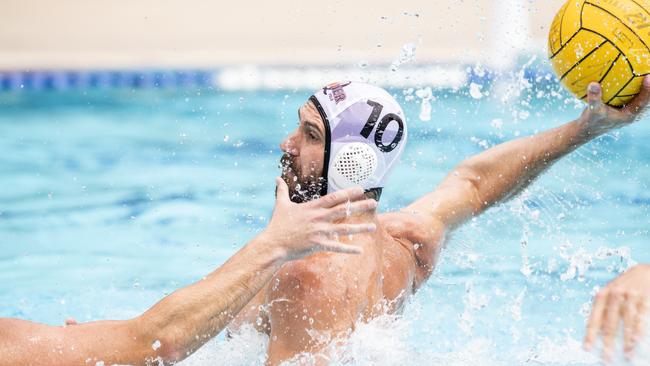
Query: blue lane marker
pixel 154 79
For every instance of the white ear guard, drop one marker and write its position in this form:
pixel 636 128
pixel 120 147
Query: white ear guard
pixel 354 164
pixel 365 133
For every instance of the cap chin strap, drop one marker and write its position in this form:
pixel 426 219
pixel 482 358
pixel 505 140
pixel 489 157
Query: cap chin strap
pixel 375 193
pixel 328 143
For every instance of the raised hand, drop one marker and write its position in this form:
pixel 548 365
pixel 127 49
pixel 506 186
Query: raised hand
pixel 599 118
pixel 311 227
pixel 624 300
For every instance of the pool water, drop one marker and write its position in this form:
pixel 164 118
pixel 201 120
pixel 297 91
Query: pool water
pixel 114 198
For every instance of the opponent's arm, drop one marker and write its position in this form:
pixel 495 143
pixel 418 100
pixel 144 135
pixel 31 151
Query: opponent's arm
pixel 504 170
pixel 180 323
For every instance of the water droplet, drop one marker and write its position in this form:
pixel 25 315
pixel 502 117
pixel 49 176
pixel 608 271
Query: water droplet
pixel 475 91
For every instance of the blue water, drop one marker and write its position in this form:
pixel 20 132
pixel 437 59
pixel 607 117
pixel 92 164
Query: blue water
pixel 112 199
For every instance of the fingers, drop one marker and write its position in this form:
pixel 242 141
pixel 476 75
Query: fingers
pixel 281 190
pixel 594 96
pixel 641 316
pixel 347 209
pixel 638 103
pixel 349 229
pixel 610 325
pixel 336 198
pixel 338 247
pixel 629 318
pixel 595 320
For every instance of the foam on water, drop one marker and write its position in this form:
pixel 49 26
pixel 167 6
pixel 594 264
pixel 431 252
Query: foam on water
pixel 245 348
pixel 387 341
pixel 383 341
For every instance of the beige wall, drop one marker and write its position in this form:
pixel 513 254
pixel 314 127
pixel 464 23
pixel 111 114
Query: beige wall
pixel 174 33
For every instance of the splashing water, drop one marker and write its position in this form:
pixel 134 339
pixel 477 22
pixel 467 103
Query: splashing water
pixel 247 347
pixel 503 293
pixel 406 55
pixel 426 96
pixel 387 340
pixel 475 91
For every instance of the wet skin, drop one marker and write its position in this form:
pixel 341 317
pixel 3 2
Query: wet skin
pixel 314 300
pixel 329 293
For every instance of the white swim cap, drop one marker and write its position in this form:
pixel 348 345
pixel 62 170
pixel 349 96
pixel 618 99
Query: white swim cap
pixel 365 133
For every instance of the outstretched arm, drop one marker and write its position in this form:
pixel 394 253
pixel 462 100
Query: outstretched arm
pixel 504 170
pixel 180 323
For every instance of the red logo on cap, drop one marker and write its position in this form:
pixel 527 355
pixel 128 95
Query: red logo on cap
pixel 337 94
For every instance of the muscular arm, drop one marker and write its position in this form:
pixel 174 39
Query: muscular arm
pixel 502 171
pixel 498 173
pixel 180 323
pixel 169 331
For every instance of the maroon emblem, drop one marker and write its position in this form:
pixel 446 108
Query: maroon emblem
pixel 336 92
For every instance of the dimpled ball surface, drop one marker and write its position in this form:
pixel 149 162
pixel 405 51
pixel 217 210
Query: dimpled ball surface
pixel 605 41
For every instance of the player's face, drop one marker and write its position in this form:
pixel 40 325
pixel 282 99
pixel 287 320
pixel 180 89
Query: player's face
pixel 304 153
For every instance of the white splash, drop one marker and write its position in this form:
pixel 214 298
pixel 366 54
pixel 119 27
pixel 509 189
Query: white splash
pixel 247 347
pixel 497 123
pixel 426 96
pixel 568 352
pixel 580 260
pixel 515 309
pixel 406 55
pixel 511 87
pixel 511 33
pixel 387 340
pixel 475 90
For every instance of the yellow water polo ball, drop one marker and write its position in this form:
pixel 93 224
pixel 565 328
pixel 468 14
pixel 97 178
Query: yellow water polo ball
pixel 605 41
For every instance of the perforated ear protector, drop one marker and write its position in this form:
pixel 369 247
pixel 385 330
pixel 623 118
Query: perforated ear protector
pixel 365 134
pixel 353 165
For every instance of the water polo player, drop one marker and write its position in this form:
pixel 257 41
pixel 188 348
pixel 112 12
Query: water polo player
pixel 353 133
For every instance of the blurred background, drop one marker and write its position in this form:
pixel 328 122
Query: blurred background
pixel 76 35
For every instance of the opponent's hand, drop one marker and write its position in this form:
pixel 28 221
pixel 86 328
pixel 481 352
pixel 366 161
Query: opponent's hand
pixel 599 118
pixel 623 300
pixel 305 228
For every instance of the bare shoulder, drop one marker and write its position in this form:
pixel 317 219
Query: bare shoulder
pixel 414 227
pixel 422 236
